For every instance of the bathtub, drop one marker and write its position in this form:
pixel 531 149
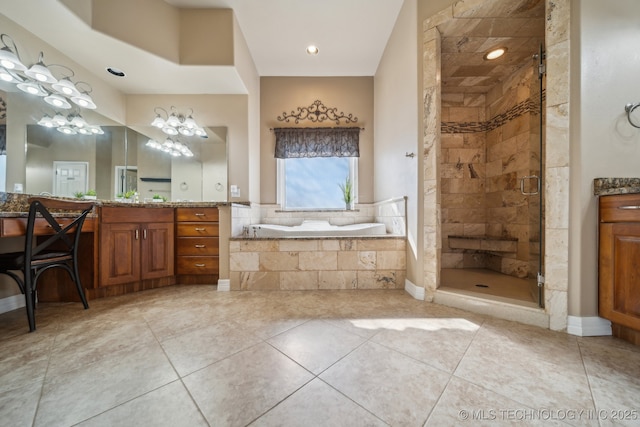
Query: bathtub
pixel 316 229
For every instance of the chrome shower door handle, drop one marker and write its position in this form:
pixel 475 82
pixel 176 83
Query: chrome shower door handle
pixel 537 186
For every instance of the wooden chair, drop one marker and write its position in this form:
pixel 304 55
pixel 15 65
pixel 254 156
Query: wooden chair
pixel 55 249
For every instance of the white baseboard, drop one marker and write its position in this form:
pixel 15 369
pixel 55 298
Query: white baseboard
pixel 588 326
pixel 224 285
pixel 413 290
pixel 11 303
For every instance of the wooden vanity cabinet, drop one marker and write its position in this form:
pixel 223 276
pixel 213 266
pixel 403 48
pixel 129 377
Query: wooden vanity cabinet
pixel 619 264
pixel 197 245
pixel 136 244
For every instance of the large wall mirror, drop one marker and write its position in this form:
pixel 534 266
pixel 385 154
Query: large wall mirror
pixel 113 162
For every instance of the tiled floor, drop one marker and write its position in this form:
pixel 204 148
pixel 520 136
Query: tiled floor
pixel 192 356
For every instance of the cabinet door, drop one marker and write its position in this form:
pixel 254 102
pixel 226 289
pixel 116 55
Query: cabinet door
pixel 119 253
pixel 619 274
pixel 157 250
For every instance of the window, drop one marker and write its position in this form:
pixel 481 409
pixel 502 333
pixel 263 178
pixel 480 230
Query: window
pixel 313 182
pixel 313 163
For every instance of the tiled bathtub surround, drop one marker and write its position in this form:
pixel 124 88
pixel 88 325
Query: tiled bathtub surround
pixel 391 213
pixel 310 264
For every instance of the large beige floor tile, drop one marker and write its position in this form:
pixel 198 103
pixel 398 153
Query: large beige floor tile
pixel 239 389
pixel 85 344
pixel 536 367
pixel 18 406
pixel 463 403
pixel 316 344
pixel 201 347
pixel 24 358
pixel 317 404
pixel 613 367
pixel 88 391
pixel 168 406
pixel 439 342
pixel 396 388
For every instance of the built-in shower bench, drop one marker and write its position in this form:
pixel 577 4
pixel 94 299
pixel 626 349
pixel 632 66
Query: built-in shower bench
pixel 484 243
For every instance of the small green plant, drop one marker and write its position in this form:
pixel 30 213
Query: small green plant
pixel 129 194
pixel 120 196
pixel 78 194
pixel 91 193
pixel 157 196
pixel 347 190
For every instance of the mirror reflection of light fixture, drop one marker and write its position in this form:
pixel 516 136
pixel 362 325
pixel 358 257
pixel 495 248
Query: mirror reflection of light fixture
pixel 177 123
pixel 171 147
pixel 39 80
pixel 70 125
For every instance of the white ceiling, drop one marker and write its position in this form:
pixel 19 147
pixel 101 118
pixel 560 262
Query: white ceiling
pixel 351 36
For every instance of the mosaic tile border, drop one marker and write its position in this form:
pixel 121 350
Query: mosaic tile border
pixel 524 107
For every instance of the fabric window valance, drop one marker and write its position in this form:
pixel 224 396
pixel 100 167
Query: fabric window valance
pixel 292 143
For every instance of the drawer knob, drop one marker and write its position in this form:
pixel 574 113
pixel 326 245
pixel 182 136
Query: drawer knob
pixel 199 214
pixel 199 265
pixel 201 229
pixel 200 246
pixel 629 207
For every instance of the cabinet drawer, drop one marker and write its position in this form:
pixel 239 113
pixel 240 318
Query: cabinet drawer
pixel 196 214
pixel 202 246
pixel 197 265
pixel 18 226
pixel 197 229
pixel 620 208
pixel 129 215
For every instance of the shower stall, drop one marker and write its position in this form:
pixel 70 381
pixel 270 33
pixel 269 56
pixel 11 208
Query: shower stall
pixel 491 162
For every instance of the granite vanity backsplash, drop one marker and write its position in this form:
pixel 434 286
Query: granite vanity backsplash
pixel 607 186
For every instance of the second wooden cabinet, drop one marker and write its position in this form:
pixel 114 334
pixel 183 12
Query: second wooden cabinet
pixel 197 245
pixel 135 244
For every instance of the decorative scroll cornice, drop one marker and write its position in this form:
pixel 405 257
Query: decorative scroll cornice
pixel 317 113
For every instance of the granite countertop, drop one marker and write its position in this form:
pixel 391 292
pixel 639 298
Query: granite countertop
pixel 16 204
pixel 608 186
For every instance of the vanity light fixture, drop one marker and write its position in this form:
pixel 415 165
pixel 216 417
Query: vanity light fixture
pixel 39 80
pixel 312 49
pixel 177 123
pixel 83 99
pixel 57 101
pixel 9 58
pixel 32 88
pixel 40 72
pixel 495 53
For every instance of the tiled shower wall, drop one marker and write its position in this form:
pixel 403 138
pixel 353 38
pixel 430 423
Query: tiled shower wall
pixel 489 143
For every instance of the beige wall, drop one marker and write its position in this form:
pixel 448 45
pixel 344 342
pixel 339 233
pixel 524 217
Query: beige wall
pixel 350 95
pixel 606 63
pixel 397 98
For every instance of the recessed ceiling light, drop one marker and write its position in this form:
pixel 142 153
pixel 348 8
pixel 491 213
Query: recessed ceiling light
pixel 115 71
pixel 312 50
pixel 495 53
